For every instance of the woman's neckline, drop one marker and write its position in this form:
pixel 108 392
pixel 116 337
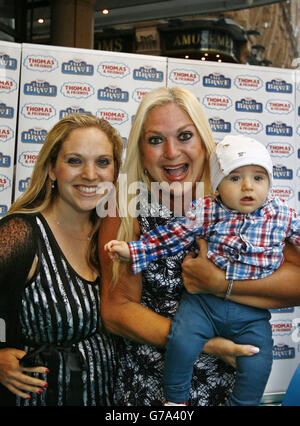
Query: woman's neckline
pixel 50 232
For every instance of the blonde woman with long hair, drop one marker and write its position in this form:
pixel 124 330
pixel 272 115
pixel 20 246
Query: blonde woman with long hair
pixel 54 351
pixel 169 144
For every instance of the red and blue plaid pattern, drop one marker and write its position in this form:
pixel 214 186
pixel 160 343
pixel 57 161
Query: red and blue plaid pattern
pixel 247 246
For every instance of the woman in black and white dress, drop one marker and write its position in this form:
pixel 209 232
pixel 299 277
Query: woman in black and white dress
pixel 56 351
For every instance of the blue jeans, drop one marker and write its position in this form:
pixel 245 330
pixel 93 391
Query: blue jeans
pixel 198 319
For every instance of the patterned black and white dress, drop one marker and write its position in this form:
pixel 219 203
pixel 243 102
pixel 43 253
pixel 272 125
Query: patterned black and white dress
pixel 59 320
pixel 139 380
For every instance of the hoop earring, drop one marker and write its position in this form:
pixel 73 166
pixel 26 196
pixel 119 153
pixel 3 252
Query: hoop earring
pixel 52 184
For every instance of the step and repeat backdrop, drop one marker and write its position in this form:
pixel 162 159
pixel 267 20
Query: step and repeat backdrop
pixel 10 60
pixel 39 85
pixel 56 82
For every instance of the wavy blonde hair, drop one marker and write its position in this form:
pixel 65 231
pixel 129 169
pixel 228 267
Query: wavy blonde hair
pixel 133 165
pixel 39 194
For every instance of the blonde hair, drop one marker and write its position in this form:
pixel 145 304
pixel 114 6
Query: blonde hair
pixel 40 194
pixel 133 165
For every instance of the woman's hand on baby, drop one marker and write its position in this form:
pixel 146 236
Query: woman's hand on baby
pixel 118 250
pixel 227 350
pixel 200 275
pixel 13 376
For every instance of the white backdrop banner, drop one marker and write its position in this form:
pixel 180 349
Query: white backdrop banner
pixel 250 100
pixel 57 81
pixel 263 103
pixel 10 54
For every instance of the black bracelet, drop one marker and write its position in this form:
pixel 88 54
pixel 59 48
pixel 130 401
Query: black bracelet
pixel 230 285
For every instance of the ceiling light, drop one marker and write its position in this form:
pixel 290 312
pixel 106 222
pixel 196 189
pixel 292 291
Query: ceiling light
pixel 41 20
pixel 105 11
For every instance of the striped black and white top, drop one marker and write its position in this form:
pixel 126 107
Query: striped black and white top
pixel 60 311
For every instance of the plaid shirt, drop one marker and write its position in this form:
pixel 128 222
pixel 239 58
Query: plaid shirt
pixel 247 246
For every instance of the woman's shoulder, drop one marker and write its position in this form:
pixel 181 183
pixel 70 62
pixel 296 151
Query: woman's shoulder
pixel 18 228
pixel 18 246
pixel 18 221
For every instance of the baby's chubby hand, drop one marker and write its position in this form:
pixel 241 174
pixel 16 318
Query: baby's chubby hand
pixel 108 247
pixel 117 250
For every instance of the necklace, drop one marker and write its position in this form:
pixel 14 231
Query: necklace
pixel 71 235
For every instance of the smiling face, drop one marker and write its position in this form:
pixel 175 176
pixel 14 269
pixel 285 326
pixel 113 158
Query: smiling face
pixel 245 188
pixel 84 160
pixel 172 149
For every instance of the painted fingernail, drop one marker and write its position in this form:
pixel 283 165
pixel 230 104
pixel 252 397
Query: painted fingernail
pixel 45 385
pixel 28 397
pixel 47 371
pixel 40 391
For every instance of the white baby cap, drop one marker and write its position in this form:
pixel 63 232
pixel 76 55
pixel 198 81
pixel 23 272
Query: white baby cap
pixel 237 151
